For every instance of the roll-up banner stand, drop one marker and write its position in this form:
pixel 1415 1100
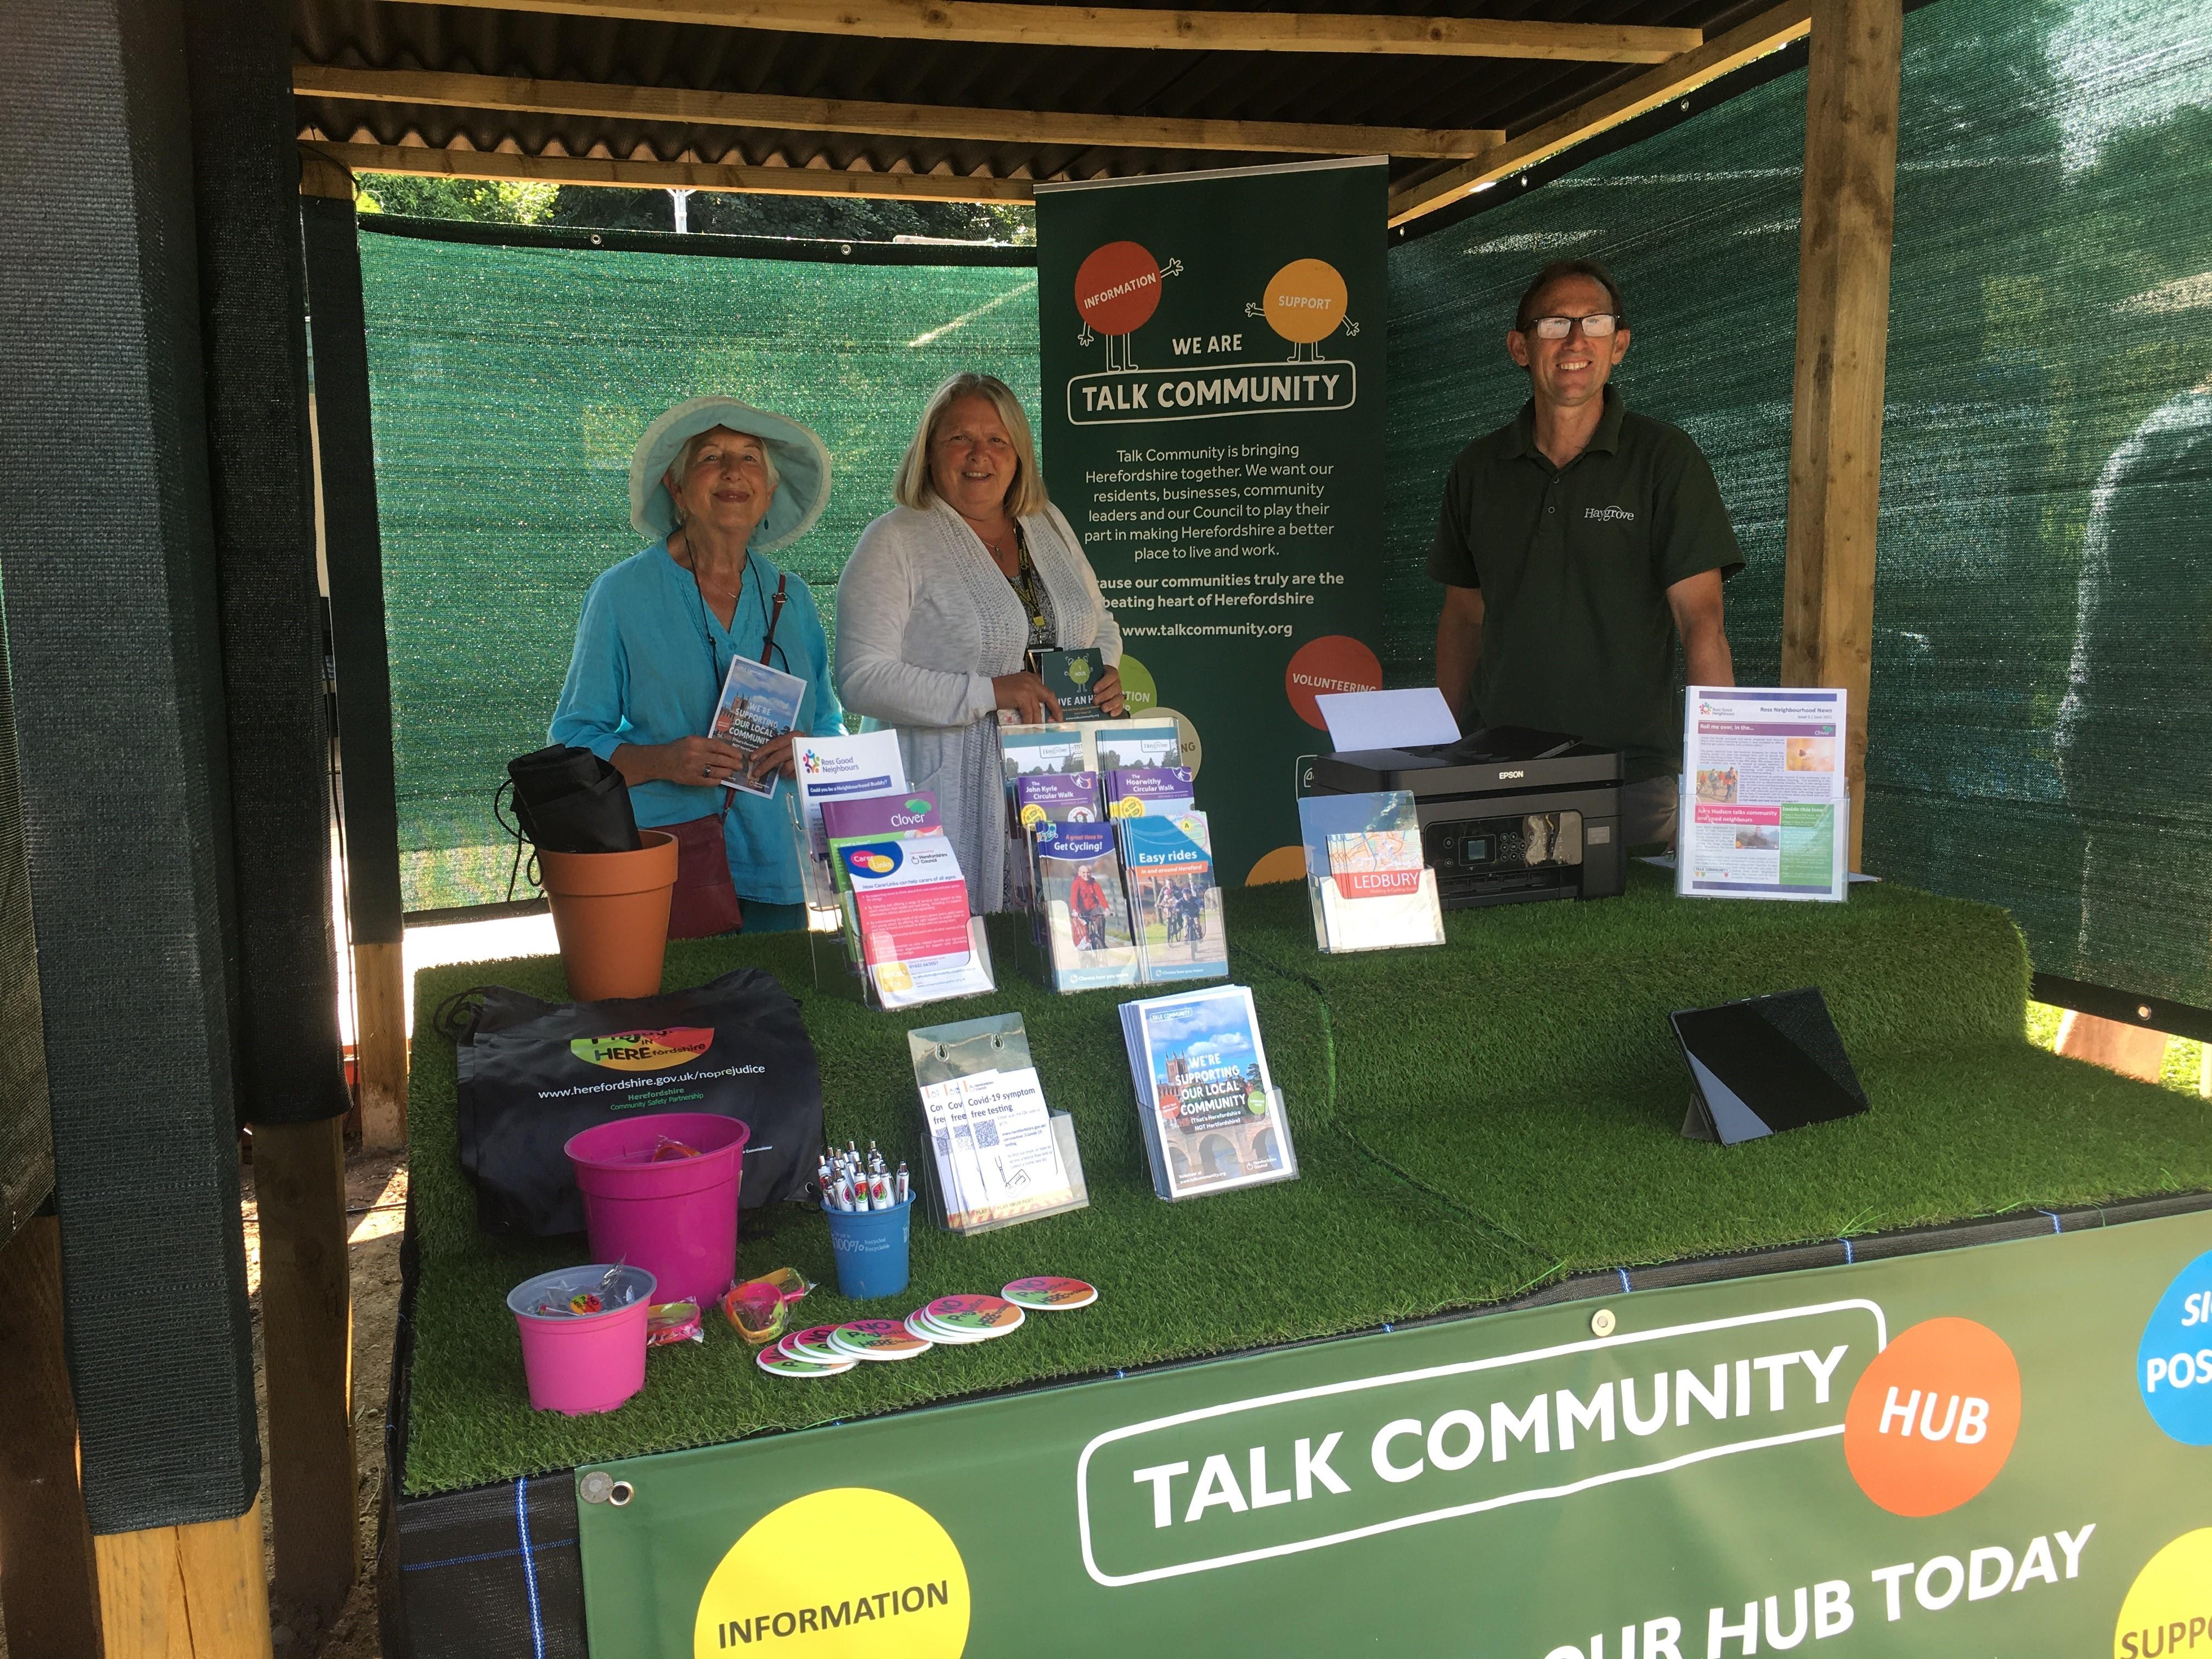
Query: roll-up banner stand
pixel 1211 360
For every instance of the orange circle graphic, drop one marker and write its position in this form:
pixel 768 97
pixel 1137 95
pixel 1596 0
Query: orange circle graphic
pixel 1306 300
pixel 1933 1418
pixel 1334 662
pixel 1117 288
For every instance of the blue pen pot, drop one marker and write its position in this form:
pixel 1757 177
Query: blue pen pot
pixel 871 1246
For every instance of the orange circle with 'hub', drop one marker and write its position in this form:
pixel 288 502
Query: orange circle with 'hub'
pixel 1933 1418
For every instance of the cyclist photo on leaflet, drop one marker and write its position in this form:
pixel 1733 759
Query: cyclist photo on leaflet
pixel 1575 544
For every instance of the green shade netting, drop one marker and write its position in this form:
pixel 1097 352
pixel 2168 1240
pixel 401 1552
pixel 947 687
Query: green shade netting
pixel 2042 678
pixel 2043 651
pixel 509 385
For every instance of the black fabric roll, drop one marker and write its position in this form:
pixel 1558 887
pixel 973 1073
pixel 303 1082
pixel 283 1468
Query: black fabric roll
pixel 253 338
pixel 107 560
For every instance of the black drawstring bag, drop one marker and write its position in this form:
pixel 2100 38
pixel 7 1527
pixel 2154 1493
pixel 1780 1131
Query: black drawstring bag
pixel 533 1073
pixel 569 800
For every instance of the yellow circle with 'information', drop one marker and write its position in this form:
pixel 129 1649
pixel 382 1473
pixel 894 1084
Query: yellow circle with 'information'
pixel 1306 300
pixel 852 1573
pixel 2169 1606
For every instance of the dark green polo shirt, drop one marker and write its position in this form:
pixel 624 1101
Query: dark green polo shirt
pixel 1574 563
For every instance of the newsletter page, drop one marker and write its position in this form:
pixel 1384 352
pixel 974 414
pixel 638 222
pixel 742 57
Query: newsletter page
pixel 1764 804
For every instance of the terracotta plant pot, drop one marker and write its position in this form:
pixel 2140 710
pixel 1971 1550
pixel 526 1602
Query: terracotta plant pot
pixel 610 910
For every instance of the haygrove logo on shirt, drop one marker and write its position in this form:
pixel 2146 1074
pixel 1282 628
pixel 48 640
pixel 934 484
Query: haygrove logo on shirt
pixel 1609 515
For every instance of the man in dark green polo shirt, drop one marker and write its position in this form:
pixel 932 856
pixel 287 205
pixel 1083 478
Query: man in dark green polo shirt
pixel 1574 544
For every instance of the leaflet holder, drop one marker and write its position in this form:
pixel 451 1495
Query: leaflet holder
pixel 833 932
pixel 941 1054
pixel 1063 1135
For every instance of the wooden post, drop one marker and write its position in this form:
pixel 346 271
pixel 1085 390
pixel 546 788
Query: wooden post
pixel 1843 336
pixel 49 1599
pixel 306 1330
pixel 380 1014
pixel 189 1592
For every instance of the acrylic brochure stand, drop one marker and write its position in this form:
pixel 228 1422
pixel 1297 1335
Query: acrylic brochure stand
pixel 833 934
pixel 996 1154
pixel 1379 922
pixel 1366 880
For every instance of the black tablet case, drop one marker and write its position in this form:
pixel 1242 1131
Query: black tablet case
pixel 1764 1065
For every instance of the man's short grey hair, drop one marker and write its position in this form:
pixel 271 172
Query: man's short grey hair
pixel 1558 270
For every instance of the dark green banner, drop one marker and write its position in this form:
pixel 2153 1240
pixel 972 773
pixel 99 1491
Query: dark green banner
pixel 1212 359
pixel 1985 1450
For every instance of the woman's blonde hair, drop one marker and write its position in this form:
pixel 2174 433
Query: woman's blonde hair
pixel 1025 496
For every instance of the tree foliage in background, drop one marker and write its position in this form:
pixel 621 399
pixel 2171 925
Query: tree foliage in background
pixel 715 212
pixel 489 201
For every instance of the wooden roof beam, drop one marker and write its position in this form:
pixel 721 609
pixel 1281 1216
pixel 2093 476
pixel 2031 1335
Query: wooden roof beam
pixel 1769 32
pixel 987 21
pixel 994 126
pixel 618 174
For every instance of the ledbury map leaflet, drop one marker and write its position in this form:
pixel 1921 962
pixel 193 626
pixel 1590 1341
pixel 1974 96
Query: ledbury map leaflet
pixel 1764 798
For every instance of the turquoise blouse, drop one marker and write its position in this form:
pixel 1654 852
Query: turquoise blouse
pixel 648 668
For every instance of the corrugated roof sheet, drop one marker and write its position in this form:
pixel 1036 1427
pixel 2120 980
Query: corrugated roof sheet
pixel 1363 89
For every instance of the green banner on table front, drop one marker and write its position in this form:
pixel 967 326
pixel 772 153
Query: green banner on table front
pixel 1985 1450
pixel 1212 358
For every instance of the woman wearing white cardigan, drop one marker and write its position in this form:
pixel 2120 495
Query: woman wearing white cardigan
pixel 942 598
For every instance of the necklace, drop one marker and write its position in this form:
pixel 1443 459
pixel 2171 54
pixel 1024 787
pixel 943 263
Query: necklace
pixel 690 562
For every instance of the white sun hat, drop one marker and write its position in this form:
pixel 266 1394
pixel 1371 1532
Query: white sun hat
pixel 802 464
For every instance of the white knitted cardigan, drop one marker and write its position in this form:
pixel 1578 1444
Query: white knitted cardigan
pixel 925 620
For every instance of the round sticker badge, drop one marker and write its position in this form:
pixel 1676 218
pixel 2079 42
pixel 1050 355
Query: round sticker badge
pixel 813 1344
pixel 1052 1295
pixel 776 1363
pixel 983 1315
pixel 878 1339
pixel 920 1324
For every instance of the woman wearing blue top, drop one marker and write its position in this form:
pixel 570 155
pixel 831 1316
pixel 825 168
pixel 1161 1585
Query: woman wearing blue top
pixel 715 485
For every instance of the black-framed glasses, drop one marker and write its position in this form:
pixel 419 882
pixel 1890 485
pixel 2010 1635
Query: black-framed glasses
pixel 1596 326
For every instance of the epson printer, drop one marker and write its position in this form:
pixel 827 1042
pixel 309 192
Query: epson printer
pixel 1507 813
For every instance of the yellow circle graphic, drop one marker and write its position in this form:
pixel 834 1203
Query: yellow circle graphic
pixel 1306 300
pixel 2169 1607
pixel 850 1571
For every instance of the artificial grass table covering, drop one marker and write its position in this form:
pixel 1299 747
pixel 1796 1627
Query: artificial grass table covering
pixel 1471 1121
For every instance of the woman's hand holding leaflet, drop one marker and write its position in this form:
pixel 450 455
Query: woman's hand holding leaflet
pixel 1025 695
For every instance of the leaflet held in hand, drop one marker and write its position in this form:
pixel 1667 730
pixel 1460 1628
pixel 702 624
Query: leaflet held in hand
pixel 758 705
pixel 1072 678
